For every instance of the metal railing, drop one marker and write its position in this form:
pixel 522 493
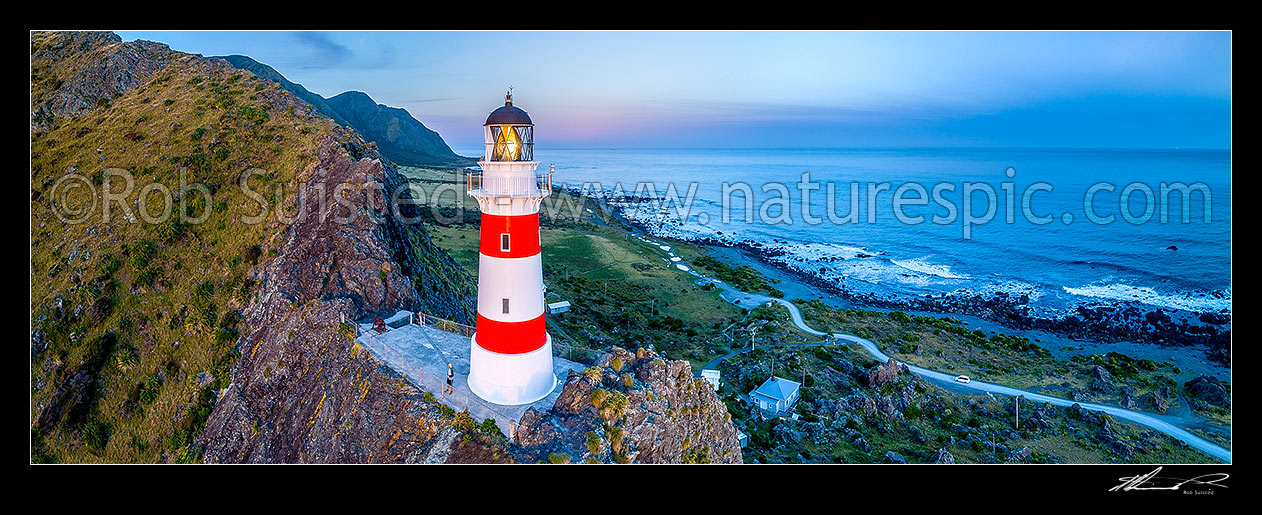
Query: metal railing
pixel 433 382
pixel 478 184
pixel 443 324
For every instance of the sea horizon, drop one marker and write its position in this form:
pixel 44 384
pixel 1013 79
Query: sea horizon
pixel 1057 266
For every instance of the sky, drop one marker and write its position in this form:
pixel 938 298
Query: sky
pixel 731 89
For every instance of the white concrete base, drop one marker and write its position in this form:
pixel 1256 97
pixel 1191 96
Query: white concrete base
pixel 511 379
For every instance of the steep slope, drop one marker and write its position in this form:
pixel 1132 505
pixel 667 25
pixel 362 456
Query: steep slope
pixel 150 333
pixel 264 71
pixel 399 136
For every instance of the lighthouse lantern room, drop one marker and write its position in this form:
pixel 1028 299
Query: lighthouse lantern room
pixel 510 359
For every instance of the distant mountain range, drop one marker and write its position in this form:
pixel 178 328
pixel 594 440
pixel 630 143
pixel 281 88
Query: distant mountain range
pixel 399 137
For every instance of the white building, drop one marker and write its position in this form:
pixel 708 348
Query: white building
pixel 777 396
pixel 711 376
pixel 559 307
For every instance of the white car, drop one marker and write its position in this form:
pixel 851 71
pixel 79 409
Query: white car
pixel 962 379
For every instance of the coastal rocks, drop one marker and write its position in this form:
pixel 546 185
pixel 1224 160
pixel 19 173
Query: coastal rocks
pixel 1123 322
pixel 1215 318
pixel 895 458
pixel 1208 390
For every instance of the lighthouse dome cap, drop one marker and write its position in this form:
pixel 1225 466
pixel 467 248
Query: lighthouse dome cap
pixel 508 114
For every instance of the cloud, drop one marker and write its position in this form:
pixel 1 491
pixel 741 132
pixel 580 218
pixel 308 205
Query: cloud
pixel 326 53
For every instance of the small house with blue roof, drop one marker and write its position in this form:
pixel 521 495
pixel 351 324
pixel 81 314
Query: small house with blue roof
pixel 777 396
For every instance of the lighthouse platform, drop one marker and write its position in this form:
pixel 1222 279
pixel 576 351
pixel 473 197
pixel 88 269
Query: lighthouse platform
pixel 421 354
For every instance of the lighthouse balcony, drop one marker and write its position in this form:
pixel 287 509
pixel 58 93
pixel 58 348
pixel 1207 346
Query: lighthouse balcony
pixel 481 185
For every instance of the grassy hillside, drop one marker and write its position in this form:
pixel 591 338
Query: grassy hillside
pixel 134 324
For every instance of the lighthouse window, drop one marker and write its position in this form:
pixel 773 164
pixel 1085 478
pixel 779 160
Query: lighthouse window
pixel 505 306
pixel 512 143
pixel 504 242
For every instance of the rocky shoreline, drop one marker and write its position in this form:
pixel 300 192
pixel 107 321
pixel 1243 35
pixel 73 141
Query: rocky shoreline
pixel 1105 324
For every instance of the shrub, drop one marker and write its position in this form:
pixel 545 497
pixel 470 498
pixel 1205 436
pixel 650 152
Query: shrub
pixel 96 434
pixel 593 442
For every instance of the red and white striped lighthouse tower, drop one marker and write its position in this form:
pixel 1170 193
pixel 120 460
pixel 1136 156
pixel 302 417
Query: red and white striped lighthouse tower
pixel 510 360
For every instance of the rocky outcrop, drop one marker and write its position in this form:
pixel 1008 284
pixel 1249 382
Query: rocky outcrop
pixel 632 408
pixel 1208 390
pixel 1154 401
pixel 942 457
pixel 1101 380
pixel 86 70
pixel 883 374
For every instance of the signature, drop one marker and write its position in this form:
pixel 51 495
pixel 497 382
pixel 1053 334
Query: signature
pixel 1151 481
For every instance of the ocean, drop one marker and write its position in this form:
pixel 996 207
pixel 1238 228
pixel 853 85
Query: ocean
pixel 1057 265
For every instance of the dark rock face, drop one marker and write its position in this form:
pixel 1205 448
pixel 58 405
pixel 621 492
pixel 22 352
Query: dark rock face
pixel 109 68
pixel 666 416
pixel 1208 390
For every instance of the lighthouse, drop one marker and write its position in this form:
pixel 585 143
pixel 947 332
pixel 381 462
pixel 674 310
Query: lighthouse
pixel 510 358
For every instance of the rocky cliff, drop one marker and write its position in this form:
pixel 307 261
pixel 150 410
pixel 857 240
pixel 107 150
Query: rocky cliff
pixel 303 391
pixel 632 408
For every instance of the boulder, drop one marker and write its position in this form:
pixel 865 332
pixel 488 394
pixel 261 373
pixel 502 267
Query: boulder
pixel 1019 455
pixel 942 457
pixel 882 374
pixel 1209 390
